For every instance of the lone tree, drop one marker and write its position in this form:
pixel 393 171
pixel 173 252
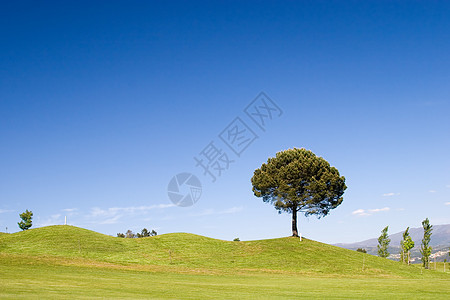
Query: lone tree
pixel 383 243
pixel 425 248
pixel 296 180
pixel 26 222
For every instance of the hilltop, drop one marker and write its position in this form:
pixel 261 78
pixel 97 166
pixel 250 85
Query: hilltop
pixel 184 252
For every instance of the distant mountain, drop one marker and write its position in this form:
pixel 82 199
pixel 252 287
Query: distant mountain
pixel 440 241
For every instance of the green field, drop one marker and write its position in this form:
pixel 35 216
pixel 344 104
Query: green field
pixel 63 261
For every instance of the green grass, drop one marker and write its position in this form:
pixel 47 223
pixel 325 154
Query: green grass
pixel 439 266
pixel 58 261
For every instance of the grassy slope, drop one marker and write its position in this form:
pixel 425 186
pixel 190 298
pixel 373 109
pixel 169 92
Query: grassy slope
pixel 58 261
pixel 182 252
pixel 35 279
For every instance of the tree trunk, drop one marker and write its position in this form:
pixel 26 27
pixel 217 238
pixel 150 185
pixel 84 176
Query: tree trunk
pixel 294 223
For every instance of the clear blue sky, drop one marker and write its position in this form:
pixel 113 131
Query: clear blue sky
pixel 102 103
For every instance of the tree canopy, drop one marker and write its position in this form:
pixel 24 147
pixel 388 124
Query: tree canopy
pixel 383 243
pixel 296 180
pixel 425 248
pixel 406 245
pixel 26 222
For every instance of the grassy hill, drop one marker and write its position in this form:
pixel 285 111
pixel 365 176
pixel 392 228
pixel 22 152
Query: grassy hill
pixel 66 261
pixel 183 251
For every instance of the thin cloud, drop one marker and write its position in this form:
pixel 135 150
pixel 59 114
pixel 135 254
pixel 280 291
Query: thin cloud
pixel 448 186
pixel 432 191
pixel 212 211
pixel 379 209
pixel 5 211
pixel 447 203
pixel 69 209
pixel 112 220
pixel 96 211
pixel 367 212
pixel 360 212
pixel 390 194
pixel 52 220
pixel 232 210
pixel 112 215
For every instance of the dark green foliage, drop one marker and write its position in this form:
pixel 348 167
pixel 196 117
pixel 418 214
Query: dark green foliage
pixel 361 250
pixel 236 240
pixel 146 233
pixel 425 248
pixel 383 243
pixel 131 235
pixel 26 222
pixel 296 180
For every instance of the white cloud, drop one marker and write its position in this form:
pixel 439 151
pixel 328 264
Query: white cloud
pixel 5 211
pixel 113 214
pixel 112 220
pixel 95 211
pixel 212 211
pixel 447 203
pixel 358 211
pixel 69 209
pixel 367 212
pixel 432 191
pixel 232 210
pixel 379 209
pixel 52 220
pixel 390 194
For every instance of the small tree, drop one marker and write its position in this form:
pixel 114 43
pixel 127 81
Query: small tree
pixel 383 243
pixel 153 233
pixel 361 250
pixel 406 245
pixel 26 222
pixel 425 248
pixel 296 180
pixel 129 234
pixel 409 244
pixel 236 240
pixel 402 246
pixel 144 233
pixel 121 235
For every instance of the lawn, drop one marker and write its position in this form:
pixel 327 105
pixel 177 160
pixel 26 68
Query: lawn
pixel 66 261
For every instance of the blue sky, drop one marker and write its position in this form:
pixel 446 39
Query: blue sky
pixel 102 104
